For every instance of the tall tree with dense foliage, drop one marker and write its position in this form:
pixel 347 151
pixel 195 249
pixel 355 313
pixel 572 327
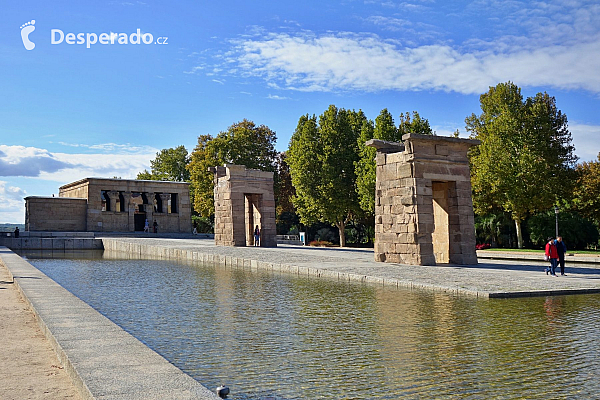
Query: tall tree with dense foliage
pixel 525 161
pixel 321 158
pixel 243 143
pixel 284 189
pixel 587 190
pixel 384 129
pixel 169 165
pixel 202 158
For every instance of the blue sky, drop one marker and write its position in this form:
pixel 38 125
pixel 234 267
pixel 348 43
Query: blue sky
pixel 68 111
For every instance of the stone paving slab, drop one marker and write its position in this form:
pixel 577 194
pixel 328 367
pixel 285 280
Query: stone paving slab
pixel 490 278
pixel 104 361
pixel 509 255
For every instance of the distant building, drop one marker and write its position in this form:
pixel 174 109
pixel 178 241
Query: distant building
pixel 111 205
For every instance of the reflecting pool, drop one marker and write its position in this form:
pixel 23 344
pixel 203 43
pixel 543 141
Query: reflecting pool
pixel 279 336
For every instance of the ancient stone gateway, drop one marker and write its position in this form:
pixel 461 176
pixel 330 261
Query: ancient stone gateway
pixel 243 199
pixel 423 206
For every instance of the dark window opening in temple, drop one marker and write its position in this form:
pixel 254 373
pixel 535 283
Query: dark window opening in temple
pixel 174 203
pixel 105 201
pixel 121 204
pixel 157 203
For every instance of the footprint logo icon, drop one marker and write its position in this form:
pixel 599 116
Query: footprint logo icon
pixel 26 29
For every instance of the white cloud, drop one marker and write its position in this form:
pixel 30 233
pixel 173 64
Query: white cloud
pixel 339 62
pixel 275 97
pixel 68 167
pixel 28 161
pixel 550 44
pixel 126 148
pixel 12 206
pixel 586 139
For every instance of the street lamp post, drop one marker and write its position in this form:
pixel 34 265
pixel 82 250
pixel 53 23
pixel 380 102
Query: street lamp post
pixel 556 214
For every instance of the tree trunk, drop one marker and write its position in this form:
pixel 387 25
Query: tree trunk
pixel 519 234
pixel 341 226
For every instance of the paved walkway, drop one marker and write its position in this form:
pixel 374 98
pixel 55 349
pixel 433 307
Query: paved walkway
pixel 491 278
pixel 103 361
pixel 29 367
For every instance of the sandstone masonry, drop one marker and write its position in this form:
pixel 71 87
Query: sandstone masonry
pixel 423 206
pixel 243 199
pixel 111 205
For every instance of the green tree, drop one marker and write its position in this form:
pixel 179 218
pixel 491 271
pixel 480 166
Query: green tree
pixel 525 161
pixel 202 158
pixel 284 189
pixel 169 165
pixel 415 125
pixel 384 129
pixel 321 157
pixel 587 190
pixel 243 143
pixel 578 232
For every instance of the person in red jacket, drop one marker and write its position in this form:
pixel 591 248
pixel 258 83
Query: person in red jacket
pixel 552 254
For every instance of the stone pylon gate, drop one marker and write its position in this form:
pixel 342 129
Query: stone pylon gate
pixel 243 199
pixel 423 205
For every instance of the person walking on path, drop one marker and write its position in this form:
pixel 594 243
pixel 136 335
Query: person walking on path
pixel 561 248
pixel 552 255
pixel 17 232
pixel 155 225
pixel 147 226
pixel 256 236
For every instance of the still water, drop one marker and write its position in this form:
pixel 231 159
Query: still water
pixel 278 336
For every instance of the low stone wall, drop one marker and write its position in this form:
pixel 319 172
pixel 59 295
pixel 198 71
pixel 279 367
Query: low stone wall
pixel 51 243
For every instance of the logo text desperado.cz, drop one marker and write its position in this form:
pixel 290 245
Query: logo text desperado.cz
pixel 57 36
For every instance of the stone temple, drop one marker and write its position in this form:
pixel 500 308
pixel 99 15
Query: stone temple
pixel 423 205
pixel 244 199
pixel 111 205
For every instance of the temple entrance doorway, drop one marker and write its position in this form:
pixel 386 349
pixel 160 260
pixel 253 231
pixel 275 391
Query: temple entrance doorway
pixel 440 236
pixel 139 219
pixel 253 216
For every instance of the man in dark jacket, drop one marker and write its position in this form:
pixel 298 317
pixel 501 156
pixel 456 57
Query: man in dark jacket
pixel 561 248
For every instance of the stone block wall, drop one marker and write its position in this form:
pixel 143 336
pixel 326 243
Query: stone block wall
pixel 423 206
pixel 243 199
pixel 138 201
pixel 55 214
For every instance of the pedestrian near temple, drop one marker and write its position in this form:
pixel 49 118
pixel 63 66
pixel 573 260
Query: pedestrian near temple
pixel 552 256
pixel 561 248
pixel 256 236
pixel 155 225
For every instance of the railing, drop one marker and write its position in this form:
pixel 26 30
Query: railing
pixel 287 237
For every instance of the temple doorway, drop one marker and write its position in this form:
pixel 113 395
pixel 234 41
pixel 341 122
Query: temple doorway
pixel 253 216
pixel 139 219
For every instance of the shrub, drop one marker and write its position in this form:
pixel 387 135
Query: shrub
pixel 203 224
pixel 320 243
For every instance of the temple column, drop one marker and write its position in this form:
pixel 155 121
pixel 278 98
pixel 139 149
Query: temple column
pixel 149 208
pixel 130 210
pixel 113 196
pixel 164 199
